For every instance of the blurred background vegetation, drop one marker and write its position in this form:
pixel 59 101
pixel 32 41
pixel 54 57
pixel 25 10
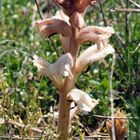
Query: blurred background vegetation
pixel 32 100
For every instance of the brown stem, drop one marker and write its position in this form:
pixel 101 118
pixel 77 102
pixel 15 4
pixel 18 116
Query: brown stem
pixel 64 104
pixel 102 12
pixel 64 113
pixel 64 110
pixel 38 10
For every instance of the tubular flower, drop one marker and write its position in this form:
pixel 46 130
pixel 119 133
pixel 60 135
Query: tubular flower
pixel 57 71
pixel 65 40
pixel 95 34
pixel 57 24
pixel 92 54
pixel 53 26
pixel 84 102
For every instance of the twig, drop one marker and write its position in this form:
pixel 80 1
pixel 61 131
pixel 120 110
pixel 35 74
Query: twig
pixel 108 117
pixel 52 42
pixel 99 128
pixel 137 5
pixel 49 38
pixel 135 49
pixel 118 51
pixel 112 97
pixel 10 121
pixel 102 12
pixel 120 39
pixel 129 10
pixel 85 128
pixel 122 3
pixel 38 10
pixel 54 47
pixel 127 24
pixel 94 136
pixel 16 137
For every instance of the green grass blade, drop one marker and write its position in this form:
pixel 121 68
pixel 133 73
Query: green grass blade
pixel 0 7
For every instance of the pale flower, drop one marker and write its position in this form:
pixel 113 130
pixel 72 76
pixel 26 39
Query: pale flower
pixel 57 71
pixel 51 26
pixel 74 111
pixel 65 40
pixel 58 24
pixel 95 34
pixel 84 102
pixel 92 54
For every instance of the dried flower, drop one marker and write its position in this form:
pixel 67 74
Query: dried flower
pixel 83 100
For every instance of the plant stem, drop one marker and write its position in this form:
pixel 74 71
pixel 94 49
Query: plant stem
pixel 112 98
pixel 64 113
pixel 64 104
pixel 39 12
pixel 102 12
pixel 64 110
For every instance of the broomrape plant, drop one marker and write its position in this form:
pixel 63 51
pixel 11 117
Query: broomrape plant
pixel 69 23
